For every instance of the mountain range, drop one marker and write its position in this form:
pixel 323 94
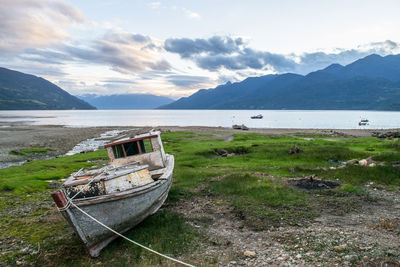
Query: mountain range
pixel 126 101
pixel 370 83
pixel 25 92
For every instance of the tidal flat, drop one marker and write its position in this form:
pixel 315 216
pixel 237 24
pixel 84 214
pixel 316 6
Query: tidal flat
pixel 233 201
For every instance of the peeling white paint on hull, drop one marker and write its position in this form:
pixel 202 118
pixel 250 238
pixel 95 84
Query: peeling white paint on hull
pixel 120 210
pixel 120 195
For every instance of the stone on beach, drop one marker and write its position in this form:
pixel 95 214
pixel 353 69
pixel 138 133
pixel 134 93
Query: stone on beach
pixel 363 162
pixel 249 253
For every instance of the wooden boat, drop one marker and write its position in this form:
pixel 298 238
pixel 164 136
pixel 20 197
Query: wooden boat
pixel 133 186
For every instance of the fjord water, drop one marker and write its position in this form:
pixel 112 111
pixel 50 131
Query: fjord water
pixel 301 119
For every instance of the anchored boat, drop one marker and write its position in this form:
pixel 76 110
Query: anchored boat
pixel 363 122
pixel 133 186
pixel 259 116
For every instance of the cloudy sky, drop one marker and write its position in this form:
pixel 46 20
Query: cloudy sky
pixel 174 48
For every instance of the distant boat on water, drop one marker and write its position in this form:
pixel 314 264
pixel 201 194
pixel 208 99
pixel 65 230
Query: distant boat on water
pixel 363 122
pixel 259 116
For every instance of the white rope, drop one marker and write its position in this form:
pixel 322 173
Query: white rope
pixel 130 240
pixel 84 187
pixel 70 203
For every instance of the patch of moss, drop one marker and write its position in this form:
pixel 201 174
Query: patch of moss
pixel 33 176
pixel 27 151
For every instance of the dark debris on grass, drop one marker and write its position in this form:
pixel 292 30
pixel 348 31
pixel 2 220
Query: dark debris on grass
pixel 313 183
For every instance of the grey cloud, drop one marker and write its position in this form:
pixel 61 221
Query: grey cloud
pixel 133 55
pixel 226 52
pixel 123 52
pixel 127 38
pixel 160 65
pixel 248 58
pixel 321 58
pixel 119 81
pixel 219 52
pixel 35 68
pixel 114 85
pixel 45 71
pixel 140 38
pixel 155 74
pixel 42 60
pixel 80 53
pixel 65 12
pixel 186 47
pixel 318 60
pixel 45 56
pixel 382 48
pixel 187 80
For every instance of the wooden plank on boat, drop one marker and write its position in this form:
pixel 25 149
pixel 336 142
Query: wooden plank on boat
pixel 128 181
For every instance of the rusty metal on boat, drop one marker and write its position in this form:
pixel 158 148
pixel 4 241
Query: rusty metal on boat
pixel 122 194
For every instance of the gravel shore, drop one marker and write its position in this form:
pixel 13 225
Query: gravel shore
pixel 59 140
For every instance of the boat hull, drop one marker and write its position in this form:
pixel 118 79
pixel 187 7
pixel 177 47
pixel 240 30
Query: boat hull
pixel 120 211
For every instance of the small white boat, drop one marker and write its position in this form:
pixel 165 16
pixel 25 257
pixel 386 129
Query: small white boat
pixel 363 122
pixel 133 186
pixel 259 116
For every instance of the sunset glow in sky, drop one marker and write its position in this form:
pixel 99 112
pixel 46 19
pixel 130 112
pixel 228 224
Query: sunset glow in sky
pixel 174 48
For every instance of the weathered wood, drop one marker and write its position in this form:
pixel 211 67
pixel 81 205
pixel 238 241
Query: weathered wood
pixel 120 195
pixel 121 211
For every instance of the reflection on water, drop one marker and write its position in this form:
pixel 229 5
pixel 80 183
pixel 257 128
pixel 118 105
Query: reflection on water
pixel 302 119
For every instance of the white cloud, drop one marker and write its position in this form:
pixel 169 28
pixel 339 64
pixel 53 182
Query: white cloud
pixel 154 5
pixel 190 14
pixel 34 23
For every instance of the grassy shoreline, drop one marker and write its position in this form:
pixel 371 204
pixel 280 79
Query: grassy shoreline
pixel 251 182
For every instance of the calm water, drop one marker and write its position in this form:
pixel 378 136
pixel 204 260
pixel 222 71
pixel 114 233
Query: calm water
pixel 225 118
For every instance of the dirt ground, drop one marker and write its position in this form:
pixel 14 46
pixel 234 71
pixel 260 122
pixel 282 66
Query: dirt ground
pixel 357 237
pixel 59 140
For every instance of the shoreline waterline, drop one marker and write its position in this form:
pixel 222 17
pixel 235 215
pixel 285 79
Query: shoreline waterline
pixel 273 119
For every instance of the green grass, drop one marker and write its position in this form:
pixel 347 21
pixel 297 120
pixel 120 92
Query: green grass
pixel 164 231
pixel 33 176
pixel 263 202
pixel 351 189
pixel 388 157
pixel 25 188
pixel 27 151
pixel 357 175
pixel 196 160
pixel 252 183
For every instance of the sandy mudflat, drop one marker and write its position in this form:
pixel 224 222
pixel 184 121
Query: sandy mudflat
pixel 58 139
pixel 62 139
